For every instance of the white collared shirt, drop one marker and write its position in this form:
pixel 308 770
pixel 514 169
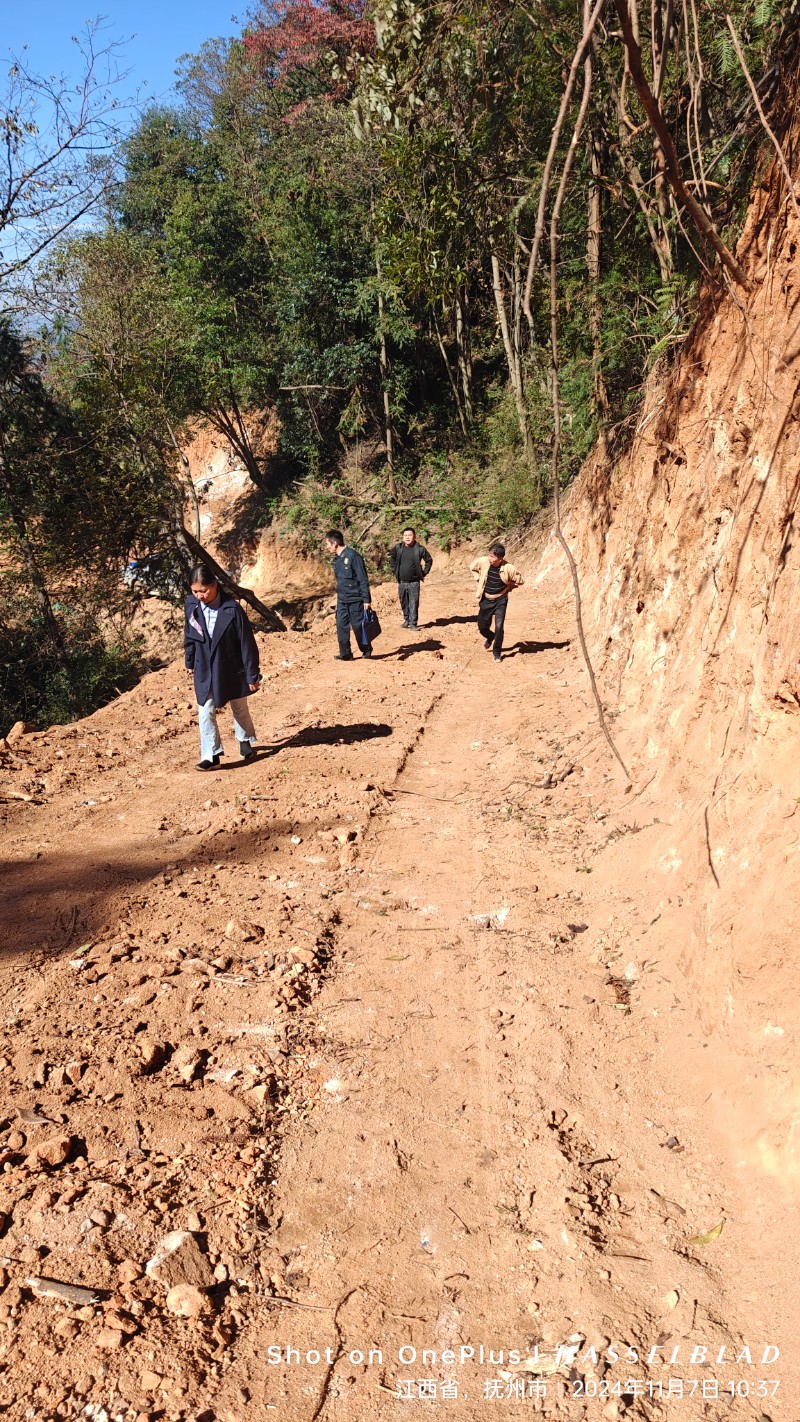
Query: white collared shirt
pixel 210 610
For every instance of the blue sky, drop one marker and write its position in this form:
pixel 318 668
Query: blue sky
pixel 162 30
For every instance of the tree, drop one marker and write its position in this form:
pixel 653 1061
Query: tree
pixel 179 201
pixel 30 427
pixel 309 53
pixel 307 46
pixel 58 141
pixel 124 365
pixel 65 513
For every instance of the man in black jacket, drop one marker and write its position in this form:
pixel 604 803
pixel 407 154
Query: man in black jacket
pixel 353 597
pixel 410 563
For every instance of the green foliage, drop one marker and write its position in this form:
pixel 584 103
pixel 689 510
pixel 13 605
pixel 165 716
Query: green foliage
pixel 327 221
pixel 73 500
pixel 487 485
pixel 38 686
pixel 311 507
pixel 279 232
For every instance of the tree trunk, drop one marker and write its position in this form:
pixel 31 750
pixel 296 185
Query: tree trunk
pixel 590 20
pixel 637 183
pixel 35 575
pixel 464 352
pixel 512 358
pixel 661 184
pixel 698 215
pixel 189 480
pixel 383 354
pixel 594 265
pixel 555 395
pixel 516 305
pixel 457 397
pixel 387 405
pixel 40 589
pixel 232 427
pixel 659 40
pixel 191 551
pixel 662 28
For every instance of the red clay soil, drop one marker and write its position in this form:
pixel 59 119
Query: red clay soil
pixel 394 1026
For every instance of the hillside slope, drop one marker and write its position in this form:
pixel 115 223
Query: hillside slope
pixel 691 578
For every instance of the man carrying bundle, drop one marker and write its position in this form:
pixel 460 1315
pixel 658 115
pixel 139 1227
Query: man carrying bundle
pixel 496 579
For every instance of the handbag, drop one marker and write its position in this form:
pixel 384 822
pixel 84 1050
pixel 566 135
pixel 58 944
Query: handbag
pixel 370 627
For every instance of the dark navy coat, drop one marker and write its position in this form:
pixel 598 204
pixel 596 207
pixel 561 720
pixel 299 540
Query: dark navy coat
pixel 224 666
pixel 352 583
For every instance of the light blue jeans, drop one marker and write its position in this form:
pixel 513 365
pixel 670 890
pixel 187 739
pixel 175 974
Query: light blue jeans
pixel 243 728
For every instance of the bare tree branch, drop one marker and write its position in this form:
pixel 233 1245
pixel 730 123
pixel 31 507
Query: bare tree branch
pixel 697 213
pixel 554 387
pixel 58 145
pixel 636 179
pixel 763 117
pixel 555 138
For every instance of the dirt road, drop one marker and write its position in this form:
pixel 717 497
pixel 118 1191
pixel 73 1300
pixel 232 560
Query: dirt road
pixel 388 1025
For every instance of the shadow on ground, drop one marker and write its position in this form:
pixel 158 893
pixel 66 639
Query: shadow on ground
pixel 523 649
pixel 53 903
pixel 430 644
pixel 328 736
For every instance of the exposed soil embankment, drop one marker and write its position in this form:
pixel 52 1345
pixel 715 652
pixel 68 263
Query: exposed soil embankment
pixel 231 516
pixel 691 580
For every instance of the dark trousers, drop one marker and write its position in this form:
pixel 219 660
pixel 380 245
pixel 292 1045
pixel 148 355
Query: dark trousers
pixel 350 614
pixel 409 601
pixel 493 608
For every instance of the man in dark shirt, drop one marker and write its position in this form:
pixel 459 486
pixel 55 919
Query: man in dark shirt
pixel 494 583
pixel 410 563
pixel 353 597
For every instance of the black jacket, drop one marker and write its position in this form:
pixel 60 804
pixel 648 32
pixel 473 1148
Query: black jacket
pixel 421 562
pixel 352 583
pixel 225 666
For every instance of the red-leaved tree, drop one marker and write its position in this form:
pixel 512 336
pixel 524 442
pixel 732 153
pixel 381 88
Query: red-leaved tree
pixel 305 45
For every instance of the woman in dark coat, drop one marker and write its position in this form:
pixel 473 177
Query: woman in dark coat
pixel 222 656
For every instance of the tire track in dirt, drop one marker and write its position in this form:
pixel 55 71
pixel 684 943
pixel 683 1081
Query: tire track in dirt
pixel 471 1123
pixel 163 932
pixel 479 1170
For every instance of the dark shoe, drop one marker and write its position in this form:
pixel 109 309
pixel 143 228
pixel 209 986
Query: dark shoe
pixel 246 750
pixel 367 654
pixel 412 627
pixel 208 764
pixel 487 644
pixel 496 657
pixel 403 624
pixel 340 658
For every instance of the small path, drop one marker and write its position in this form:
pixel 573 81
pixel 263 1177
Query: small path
pixel 485 1169
pixel 498 1122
